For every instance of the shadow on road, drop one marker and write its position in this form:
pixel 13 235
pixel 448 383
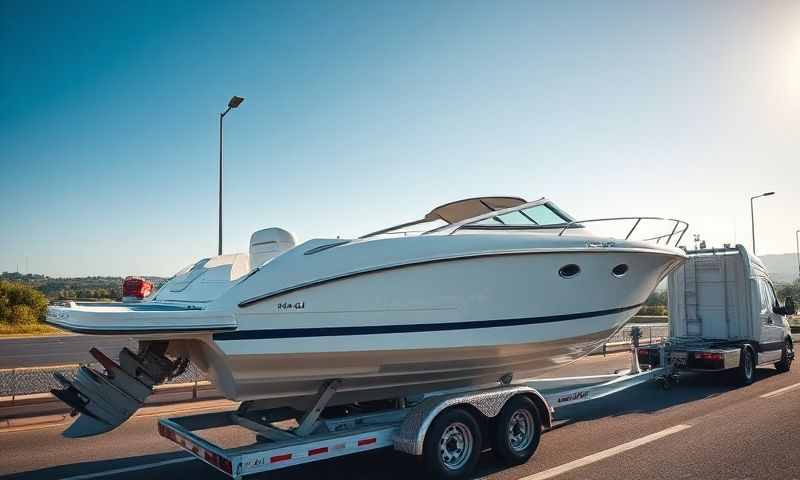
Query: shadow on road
pixel 651 397
pixel 100 466
pixel 389 464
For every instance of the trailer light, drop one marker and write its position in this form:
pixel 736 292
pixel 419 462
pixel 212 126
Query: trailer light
pixel 226 465
pixel 218 461
pixel 708 356
pixel 167 433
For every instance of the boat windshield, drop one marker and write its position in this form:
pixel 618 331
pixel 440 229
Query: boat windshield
pixel 190 267
pixel 479 213
pixel 541 215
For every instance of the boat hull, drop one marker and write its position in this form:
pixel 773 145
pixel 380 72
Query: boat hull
pixel 429 327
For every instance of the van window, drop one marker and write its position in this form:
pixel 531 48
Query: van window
pixel 773 297
pixel 762 288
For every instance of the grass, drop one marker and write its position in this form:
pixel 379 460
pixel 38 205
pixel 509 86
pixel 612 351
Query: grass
pixel 28 329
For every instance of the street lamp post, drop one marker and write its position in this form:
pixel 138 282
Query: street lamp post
pixel 752 219
pixel 233 103
pixel 797 239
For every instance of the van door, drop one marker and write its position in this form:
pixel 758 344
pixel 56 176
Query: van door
pixel 772 330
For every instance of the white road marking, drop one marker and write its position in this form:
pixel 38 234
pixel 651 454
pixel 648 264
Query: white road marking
pixel 129 469
pixel 780 391
pixel 596 457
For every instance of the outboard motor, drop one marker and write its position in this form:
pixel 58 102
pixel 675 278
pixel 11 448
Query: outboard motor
pixel 269 243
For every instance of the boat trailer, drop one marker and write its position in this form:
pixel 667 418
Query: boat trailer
pixel 287 437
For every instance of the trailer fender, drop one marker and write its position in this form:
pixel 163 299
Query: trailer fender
pixel 410 438
pixel 752 350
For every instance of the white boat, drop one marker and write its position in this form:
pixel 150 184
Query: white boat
pixel 478 290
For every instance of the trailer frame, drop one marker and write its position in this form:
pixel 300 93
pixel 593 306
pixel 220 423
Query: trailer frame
pixel 403 427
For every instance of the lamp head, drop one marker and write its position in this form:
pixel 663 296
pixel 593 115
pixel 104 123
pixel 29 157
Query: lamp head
pixel 235 101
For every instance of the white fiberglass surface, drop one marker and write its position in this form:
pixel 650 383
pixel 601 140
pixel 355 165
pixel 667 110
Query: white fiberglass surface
pixel 295 268
pixel 205 280
pixel 523 296
pixel 413 230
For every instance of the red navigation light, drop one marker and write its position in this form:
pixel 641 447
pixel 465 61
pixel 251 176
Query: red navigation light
pixel 136 287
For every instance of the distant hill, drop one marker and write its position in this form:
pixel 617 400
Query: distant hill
pixel 782 268
pixel 78 288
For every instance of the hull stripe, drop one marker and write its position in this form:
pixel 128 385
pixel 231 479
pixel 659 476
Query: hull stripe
pixel 410 328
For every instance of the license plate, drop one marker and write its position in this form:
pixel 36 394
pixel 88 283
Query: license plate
pixel 679 359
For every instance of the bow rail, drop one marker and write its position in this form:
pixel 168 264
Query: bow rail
pixel 679 227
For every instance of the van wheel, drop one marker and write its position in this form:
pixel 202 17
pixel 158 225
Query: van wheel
pixel 517 431
pixel 744 374
pixel 452 445
pixel 786 357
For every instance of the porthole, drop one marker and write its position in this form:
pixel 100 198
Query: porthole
pixel 569 271
pixel 620 270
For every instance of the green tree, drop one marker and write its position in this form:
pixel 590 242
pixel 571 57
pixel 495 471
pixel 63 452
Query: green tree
pixel 789 290
pixel 21 304
pixel 657 298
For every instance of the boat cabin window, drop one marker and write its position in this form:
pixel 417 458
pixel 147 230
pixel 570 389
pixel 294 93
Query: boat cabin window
pixel 537 215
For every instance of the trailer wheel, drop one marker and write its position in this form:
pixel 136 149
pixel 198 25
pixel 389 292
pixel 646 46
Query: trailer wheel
pixel 786 357
pixel 452 445
pixel 517 431
pixel 744 374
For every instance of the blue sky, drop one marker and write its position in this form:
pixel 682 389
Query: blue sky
pixel 359 115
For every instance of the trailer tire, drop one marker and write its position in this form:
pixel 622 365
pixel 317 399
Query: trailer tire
pixel 517 431
pixel 786 357
pixel 745 373
pixel 452 445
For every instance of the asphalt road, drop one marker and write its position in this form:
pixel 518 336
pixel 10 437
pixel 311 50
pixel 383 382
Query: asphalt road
pixel 707 430
pixel 51 350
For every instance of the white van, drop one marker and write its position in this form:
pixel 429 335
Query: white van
pixel 724 314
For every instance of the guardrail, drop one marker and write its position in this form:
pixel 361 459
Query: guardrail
pixel 16 382
pixel 650 333
pixel 622 340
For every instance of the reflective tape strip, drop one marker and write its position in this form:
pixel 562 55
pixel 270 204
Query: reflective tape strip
pixel 317 451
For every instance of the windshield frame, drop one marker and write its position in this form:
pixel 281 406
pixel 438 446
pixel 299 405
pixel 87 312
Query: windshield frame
pixel 470 223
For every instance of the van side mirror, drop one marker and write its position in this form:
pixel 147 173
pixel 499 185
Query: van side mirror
pixel 789 307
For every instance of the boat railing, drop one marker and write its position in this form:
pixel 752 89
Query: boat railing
pixel 679 228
